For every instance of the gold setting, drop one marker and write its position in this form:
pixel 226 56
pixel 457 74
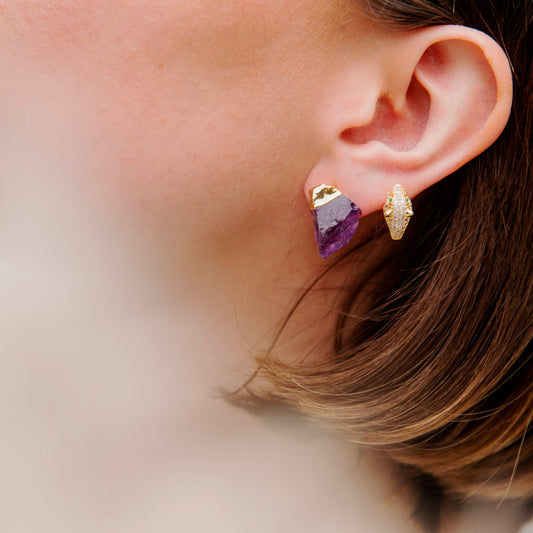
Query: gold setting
pixel 322 195
pixel 398 210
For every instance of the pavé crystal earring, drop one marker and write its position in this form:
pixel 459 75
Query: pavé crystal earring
pixel 397 210
pixel 335 216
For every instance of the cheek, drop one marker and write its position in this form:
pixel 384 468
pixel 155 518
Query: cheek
pixel 181 108
pixel 207 128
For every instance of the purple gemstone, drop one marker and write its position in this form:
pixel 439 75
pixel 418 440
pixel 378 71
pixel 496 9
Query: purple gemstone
pixel 335 224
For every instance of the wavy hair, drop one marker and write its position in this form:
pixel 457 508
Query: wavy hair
pixel 439 372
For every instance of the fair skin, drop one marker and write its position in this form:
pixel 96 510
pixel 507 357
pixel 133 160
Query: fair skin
pixel 209 123
pixel 198 127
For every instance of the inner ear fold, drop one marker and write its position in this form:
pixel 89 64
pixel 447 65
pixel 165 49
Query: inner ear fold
pixel 440 119
pixel 453 67
pixel 399 129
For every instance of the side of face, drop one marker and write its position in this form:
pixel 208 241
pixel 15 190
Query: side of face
pixel 199 114
pixel 208 120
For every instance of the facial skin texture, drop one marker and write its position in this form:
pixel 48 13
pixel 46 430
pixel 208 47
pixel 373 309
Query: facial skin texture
pixel 189 107
pixel 200 119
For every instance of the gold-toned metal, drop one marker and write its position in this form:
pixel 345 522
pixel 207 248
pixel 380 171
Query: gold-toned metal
pixel 322 195
pixel 398 210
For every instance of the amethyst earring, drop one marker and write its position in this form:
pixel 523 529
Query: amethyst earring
pixel 335 217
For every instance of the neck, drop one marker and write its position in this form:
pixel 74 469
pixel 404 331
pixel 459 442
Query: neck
pixel 236 303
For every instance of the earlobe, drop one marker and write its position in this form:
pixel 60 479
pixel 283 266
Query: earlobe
pixel 445 96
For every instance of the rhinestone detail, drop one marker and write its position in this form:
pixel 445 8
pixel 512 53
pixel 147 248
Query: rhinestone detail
pixel 397 210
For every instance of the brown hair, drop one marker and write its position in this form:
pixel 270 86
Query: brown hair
pixel 439 372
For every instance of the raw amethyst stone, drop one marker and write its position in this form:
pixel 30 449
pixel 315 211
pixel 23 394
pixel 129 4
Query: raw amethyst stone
pixel 335 224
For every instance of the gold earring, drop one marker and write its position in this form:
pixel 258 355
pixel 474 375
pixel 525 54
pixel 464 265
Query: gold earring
pixel 397 210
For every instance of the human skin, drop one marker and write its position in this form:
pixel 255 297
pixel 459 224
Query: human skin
pixel 200 114
pixel 204 124
pixel 198 124
pixel 200 120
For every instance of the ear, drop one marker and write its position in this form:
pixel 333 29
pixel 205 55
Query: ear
pixel 432 99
